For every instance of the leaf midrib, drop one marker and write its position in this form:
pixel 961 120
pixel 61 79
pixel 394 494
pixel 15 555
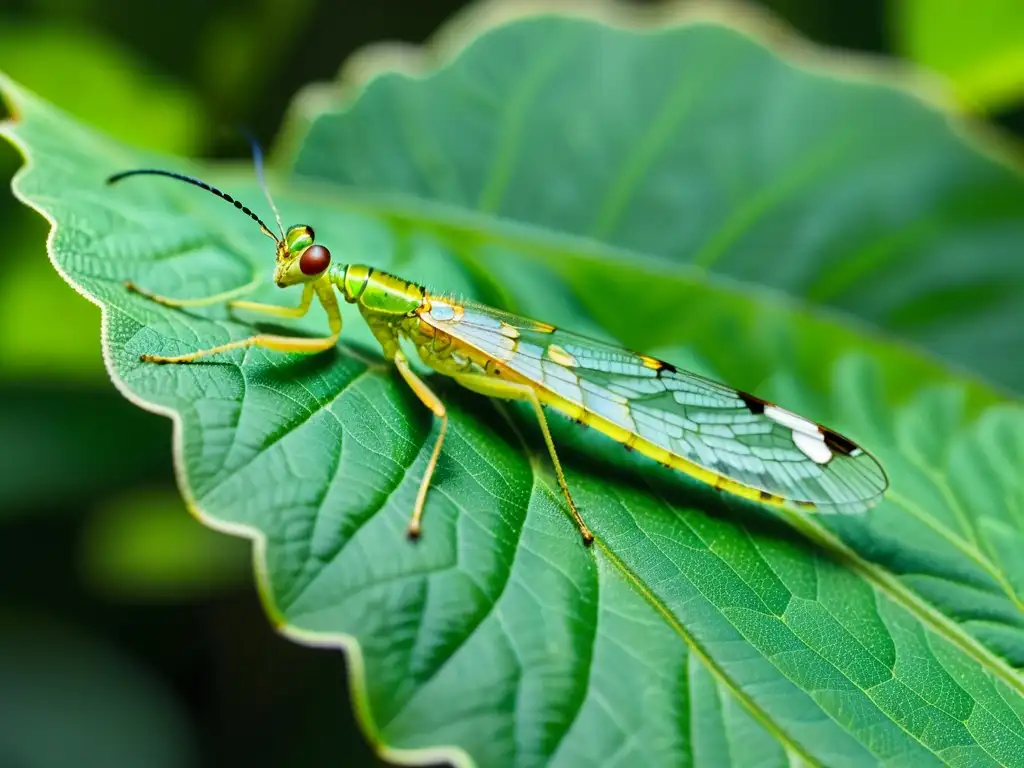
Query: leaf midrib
pixel 965 548
pixel 759 714
pixel 763 716
pixel 890 585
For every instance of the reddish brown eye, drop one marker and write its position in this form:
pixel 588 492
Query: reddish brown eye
pixel 314 260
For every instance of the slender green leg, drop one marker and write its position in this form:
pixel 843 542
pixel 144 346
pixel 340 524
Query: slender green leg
pixel 275 310
pixel 509 390
pixel 204 301
pixel 433 402
pixel 264 340
pixel 274 342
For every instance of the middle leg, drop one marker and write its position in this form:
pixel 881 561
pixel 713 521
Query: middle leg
pixel 510 390
pixel 433 402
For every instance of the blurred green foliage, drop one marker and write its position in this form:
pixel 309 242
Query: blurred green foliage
pixel 103 572
pixel 72 700
pixel 162 554
pixel 978 46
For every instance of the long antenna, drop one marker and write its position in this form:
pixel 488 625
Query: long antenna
pixel 257 159
pixel 202 185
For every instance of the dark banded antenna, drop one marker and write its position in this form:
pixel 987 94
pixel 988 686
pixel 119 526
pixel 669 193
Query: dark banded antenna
pixel 197 183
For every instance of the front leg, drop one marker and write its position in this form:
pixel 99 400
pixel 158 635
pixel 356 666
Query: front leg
pixel 203 301
pixel 271 341
pixel 275 310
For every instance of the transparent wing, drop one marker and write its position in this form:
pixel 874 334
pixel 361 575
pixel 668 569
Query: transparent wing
pixel 742 439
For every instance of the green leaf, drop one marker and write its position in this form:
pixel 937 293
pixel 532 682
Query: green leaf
pixel 698 145
pixel 697 629
pixel 981 52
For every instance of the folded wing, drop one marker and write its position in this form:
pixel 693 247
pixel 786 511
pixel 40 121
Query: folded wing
pixel 730 433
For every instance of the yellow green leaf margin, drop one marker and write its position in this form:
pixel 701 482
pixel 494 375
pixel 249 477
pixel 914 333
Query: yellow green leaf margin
pixel 695 630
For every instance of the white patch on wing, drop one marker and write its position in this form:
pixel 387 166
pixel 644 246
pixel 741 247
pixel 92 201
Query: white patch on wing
pixel 807 435
pixel 791 420
pixel 813 446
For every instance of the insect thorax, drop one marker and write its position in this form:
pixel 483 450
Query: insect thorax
pixel 387 303
pixel 376 292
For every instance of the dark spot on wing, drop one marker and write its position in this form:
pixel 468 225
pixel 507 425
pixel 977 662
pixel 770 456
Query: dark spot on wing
pixel 837 442
pixel 754 404
pixel 765 496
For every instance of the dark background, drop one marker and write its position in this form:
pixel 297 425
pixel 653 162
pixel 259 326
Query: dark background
pixel 129 634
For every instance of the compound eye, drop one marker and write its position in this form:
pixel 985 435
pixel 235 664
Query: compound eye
pixel 314 260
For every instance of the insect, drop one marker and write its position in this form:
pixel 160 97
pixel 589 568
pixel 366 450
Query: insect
pixel 733 441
